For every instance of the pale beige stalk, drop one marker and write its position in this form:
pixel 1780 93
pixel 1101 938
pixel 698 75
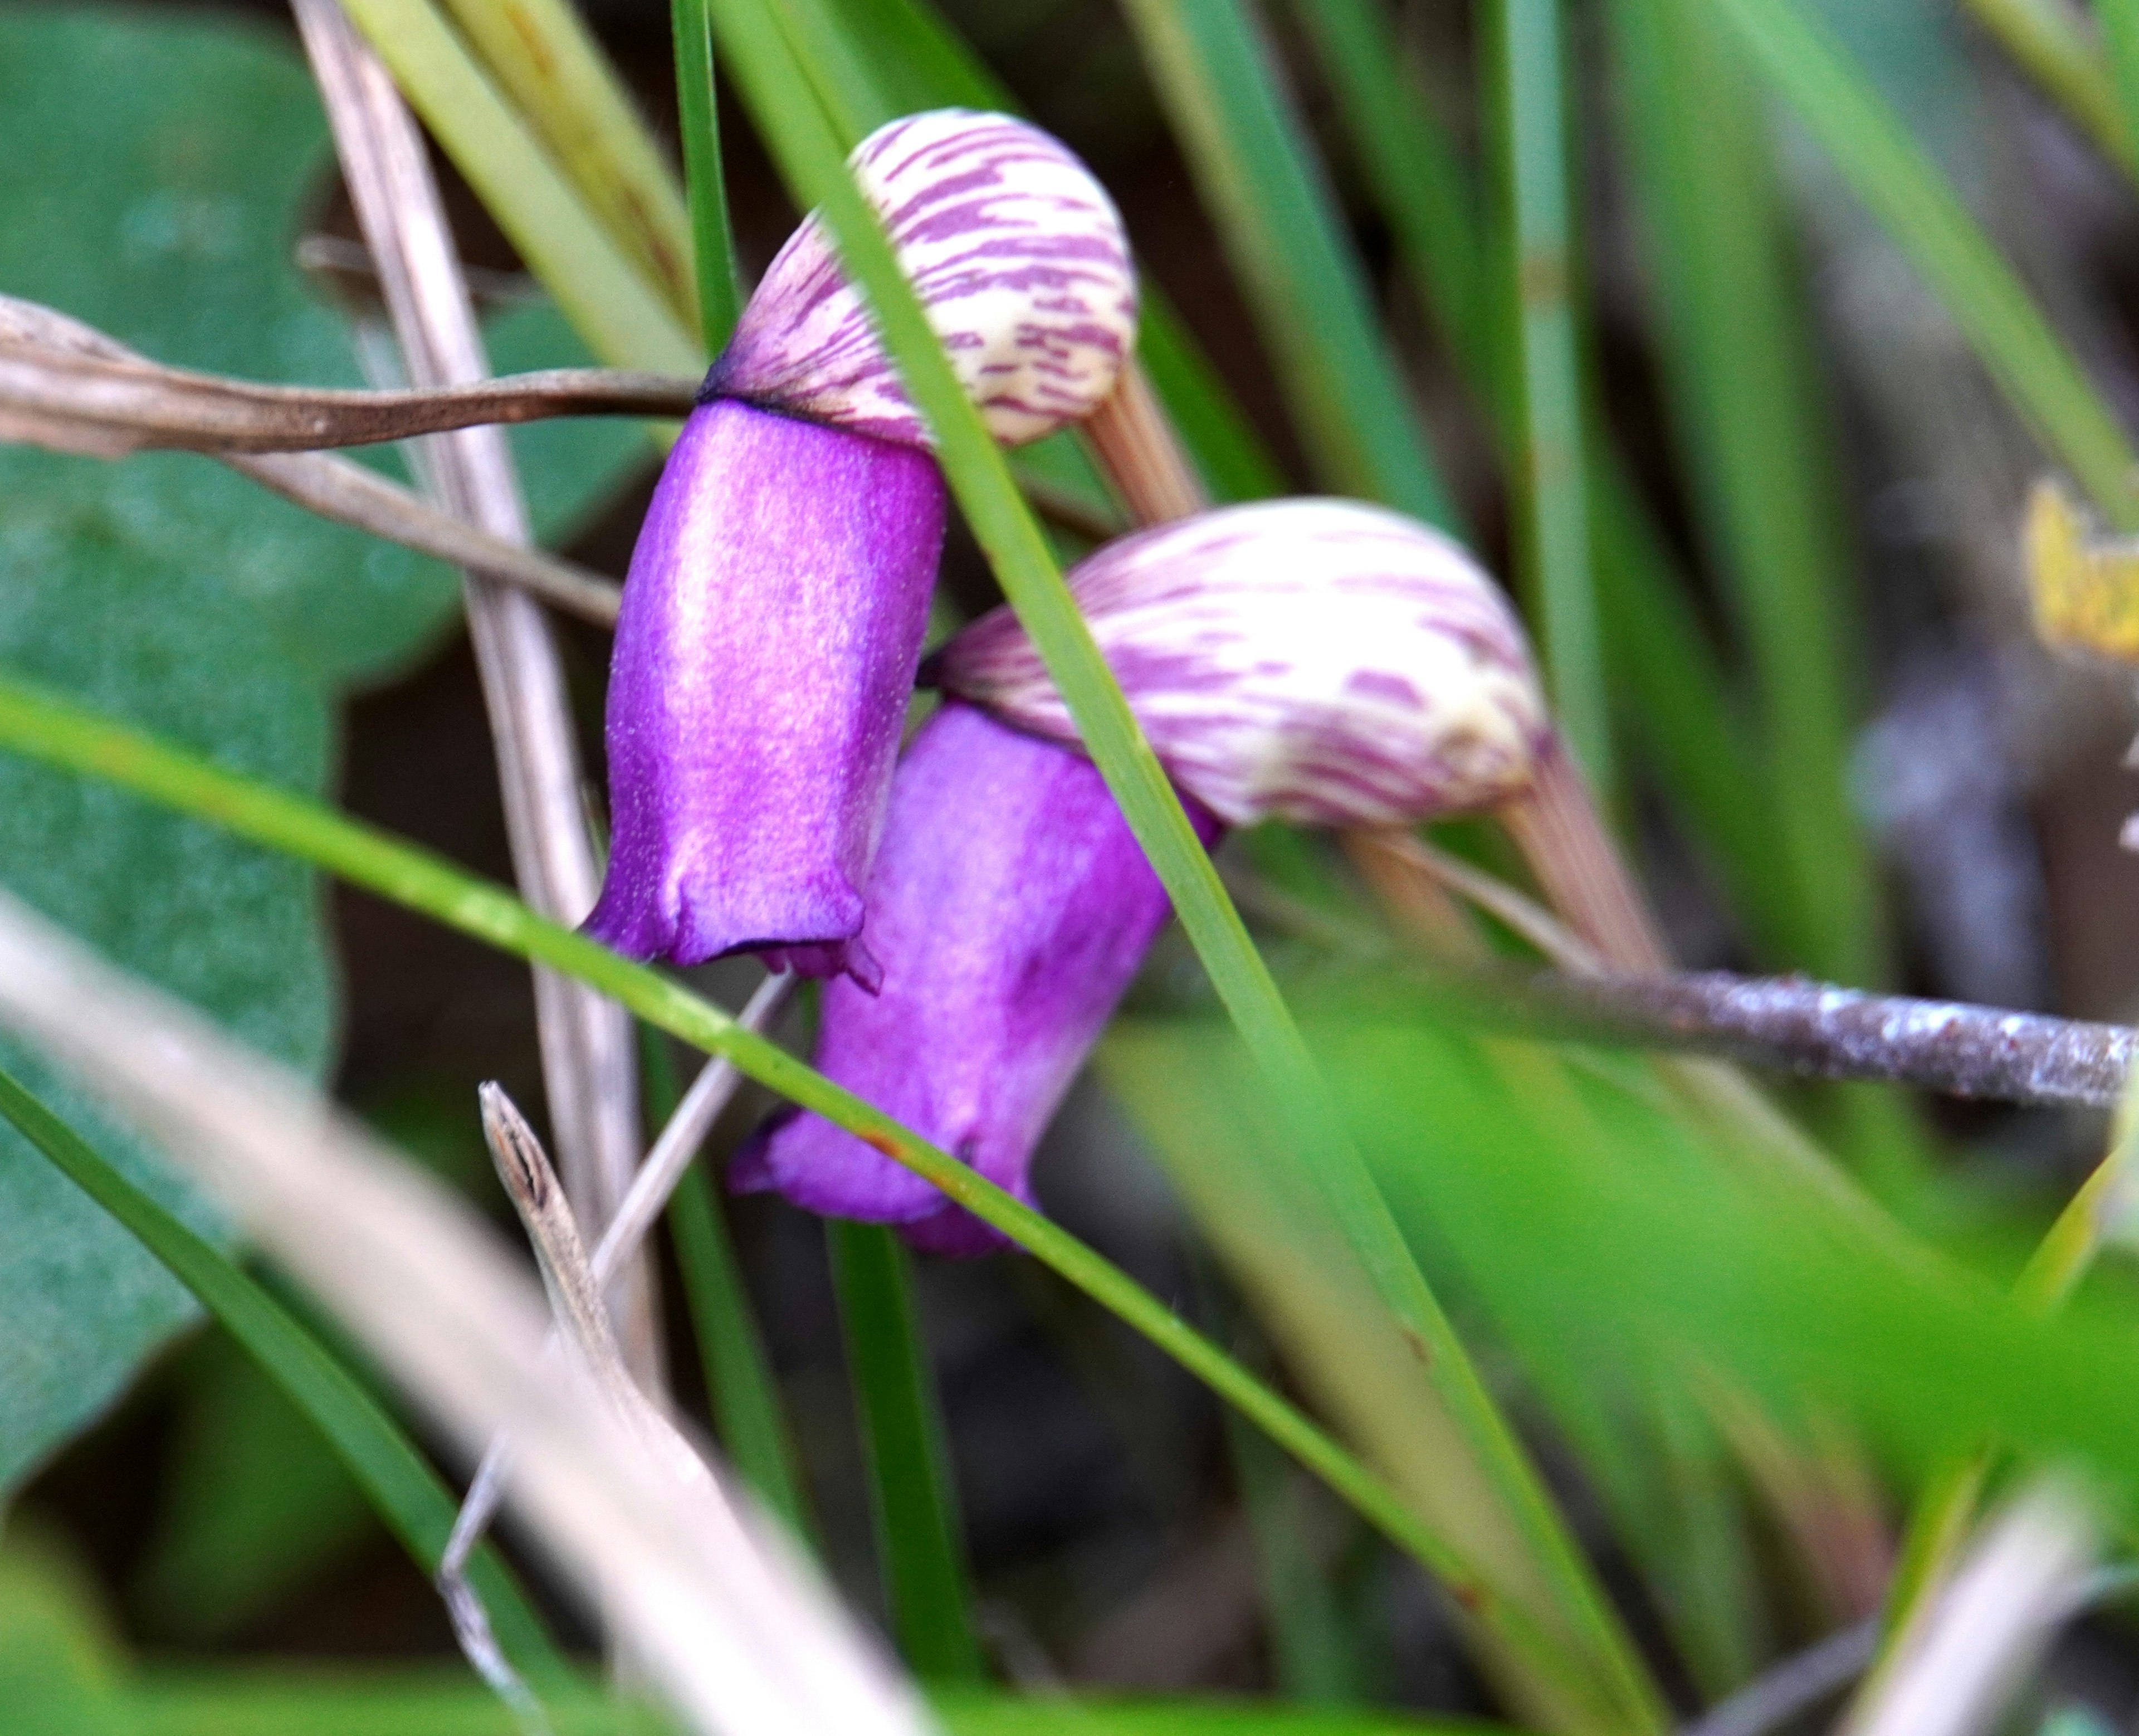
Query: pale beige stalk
pixel 738 1634
pixel 588 1065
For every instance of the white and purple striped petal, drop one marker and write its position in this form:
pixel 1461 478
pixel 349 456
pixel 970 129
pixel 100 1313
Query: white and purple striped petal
pixel 1319 661
pixel 1009 908
pixel 1017 254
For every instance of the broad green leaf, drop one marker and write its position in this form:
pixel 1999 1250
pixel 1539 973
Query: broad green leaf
pixel 407 1493
pixel 168 589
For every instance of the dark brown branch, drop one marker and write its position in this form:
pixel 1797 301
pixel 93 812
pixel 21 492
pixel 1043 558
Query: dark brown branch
pixel 1821 1031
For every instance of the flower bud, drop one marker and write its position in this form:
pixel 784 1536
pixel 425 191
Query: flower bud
pixel 1314 660
pixel 1018 257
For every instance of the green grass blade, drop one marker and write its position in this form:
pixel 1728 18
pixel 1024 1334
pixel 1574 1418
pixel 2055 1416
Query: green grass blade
pixel 712 241
pixel 42 727
pixel 739 1388
pixel 1740 362
pixel 1411 165
pixel 811 156
pixel 1689 724
pixel 2119 20
pixel 919 62
pixel 617 310
pixel 548 64
pixel 1555 522
pixel 1278 220
pixel 255 1700
pixel 409 1495
pixel 913 1499
pixel 1889 172
pixel 2047 41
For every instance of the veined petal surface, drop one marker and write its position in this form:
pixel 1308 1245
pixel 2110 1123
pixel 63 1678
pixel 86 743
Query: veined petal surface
pixel 1320 661
pixel 1017 254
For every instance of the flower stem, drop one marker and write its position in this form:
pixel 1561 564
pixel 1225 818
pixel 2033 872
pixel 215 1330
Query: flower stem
pixel 1556 826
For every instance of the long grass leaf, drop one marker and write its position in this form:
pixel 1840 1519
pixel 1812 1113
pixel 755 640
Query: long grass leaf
pixel 2119 20
pixel 1689 721
pixel 255 1700
pixel 409 1495
pixel 1278 220
pixel 623 317
pixel 1552 475
pixel 57 732
pixel 1891 173
pixel 2047 39
pixel 913 1499
pixel 712 240
pixel 1739 363
pixel 549 65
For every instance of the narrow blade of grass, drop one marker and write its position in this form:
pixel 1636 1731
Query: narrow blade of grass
pixel 1411 164
pixel 1699 744
pixel 2046 38
pixel 59 733
pixel 399 1482
pixel 1554 524
pixel 739 1388
pixel 913 1499
pixel 811 156
pixel 543 57
pixel 2119 20
pixel 619 312
pixel 1889 172
pixel 712 240
pixel 1739 363
pixel 1279 223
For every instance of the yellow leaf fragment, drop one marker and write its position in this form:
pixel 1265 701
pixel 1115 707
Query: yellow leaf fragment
pixel 2085 586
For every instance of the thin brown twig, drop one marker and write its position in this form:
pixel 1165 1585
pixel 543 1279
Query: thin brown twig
pixel 110 406
pixel 331 487
pixel 589 1068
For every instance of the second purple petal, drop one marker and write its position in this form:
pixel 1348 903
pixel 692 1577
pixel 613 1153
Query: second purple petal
pixel 771 620
pixel 1010 906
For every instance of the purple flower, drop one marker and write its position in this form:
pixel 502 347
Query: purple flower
pixel 1009 907
pixel 1317 660
pixel 776 600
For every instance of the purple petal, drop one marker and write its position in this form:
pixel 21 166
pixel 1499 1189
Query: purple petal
pixel 1315 660
pixel 771 622
pixel 1018 256
pixel 1010 906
